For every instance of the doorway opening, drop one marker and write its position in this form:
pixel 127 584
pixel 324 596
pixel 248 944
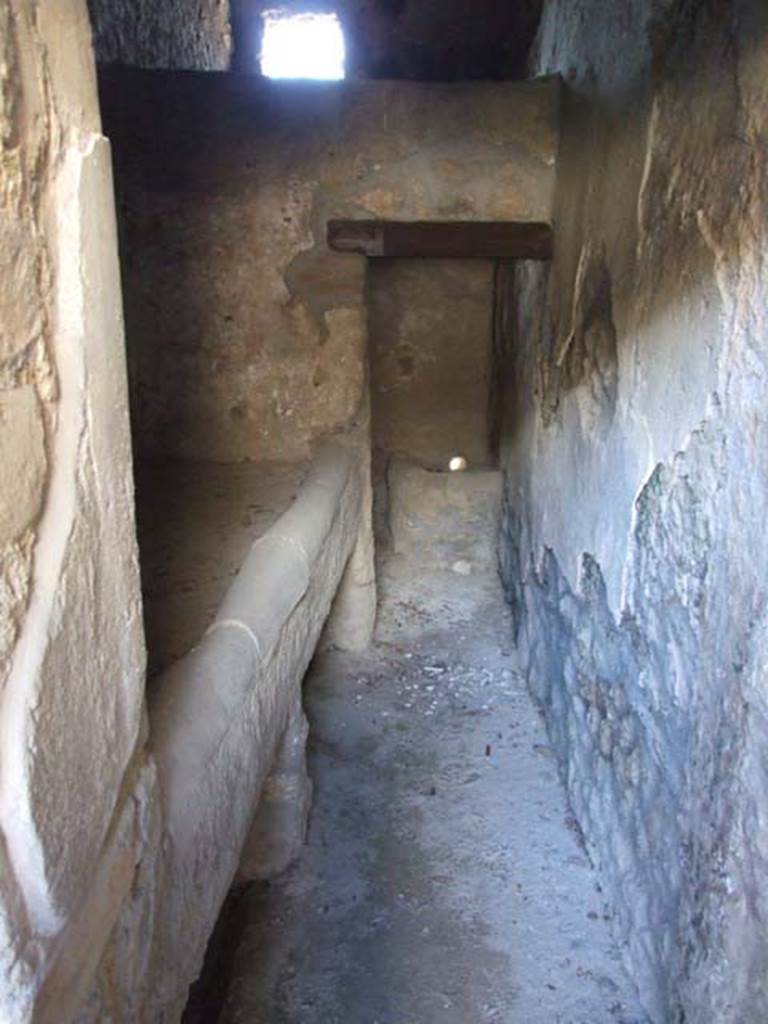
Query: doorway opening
pixel 433 377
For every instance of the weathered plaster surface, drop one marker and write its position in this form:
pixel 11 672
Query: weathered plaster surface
pixel 71 650
pixel 430 324
pixel 243 185
pixel 226 725
pixel 246 334
pixel 634 447
pixel 162 33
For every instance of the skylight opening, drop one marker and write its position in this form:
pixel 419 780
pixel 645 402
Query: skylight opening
pixel 302 46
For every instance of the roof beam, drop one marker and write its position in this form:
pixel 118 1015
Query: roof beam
pixel 458 239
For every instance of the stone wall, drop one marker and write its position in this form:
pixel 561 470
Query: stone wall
pixel 635 450
pixel 228 737
pixel 73 786
pixel 162 33
pixel 430 324
pixel 246 335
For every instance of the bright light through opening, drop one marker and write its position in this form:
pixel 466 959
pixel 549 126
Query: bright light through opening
pixel 302 46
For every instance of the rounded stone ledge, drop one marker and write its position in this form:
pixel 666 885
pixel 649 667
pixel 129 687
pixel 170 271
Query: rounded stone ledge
pixel 195 701
pixel 191 709
pixel 310 518
pixel 273 579
pixel 277 571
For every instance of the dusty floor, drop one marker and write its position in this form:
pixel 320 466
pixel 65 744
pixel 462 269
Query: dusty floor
pixel 443 880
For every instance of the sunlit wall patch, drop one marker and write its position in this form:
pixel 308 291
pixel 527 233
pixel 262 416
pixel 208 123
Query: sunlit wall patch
pixel 302 46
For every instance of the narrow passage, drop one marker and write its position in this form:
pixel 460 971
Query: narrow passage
pixel 443 879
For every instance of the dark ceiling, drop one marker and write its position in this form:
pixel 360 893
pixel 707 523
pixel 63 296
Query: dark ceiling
pixel 421 40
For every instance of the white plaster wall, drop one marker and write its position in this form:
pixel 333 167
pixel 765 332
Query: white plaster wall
pixel 71 644
pixel 635 448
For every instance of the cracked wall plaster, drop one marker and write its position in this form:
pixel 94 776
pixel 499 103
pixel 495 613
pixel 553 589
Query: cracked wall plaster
pixel 634 448
pixel 71 644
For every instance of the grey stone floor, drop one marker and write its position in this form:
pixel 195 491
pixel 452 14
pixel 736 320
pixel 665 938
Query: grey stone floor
pixel 443 879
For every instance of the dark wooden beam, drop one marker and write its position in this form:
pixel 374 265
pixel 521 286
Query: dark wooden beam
pixel 457 239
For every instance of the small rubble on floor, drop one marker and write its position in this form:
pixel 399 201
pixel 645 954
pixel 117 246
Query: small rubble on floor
pixel 443 880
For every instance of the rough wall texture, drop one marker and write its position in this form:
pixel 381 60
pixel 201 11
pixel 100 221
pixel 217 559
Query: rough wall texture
pixel 246 335
pixel 635 447
pixel 193 34
pixel 227 735
pixel 71 651
pixel 430 324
